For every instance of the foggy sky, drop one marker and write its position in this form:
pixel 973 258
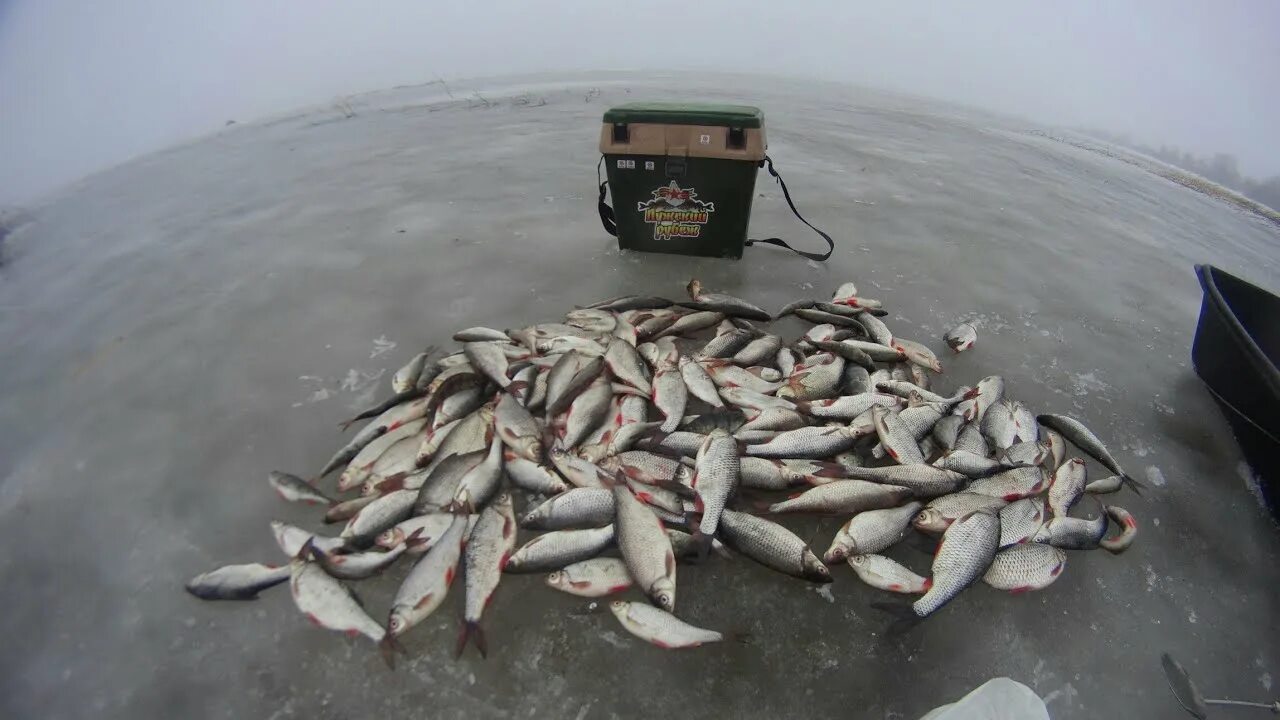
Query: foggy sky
pixel 85 85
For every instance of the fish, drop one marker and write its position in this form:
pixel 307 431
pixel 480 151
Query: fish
pixel 670 396
pixel 970 440
pixel 805 442
pixel 597 577
pixel 645 548
pixel 1071 533
pixel 1067 486
pixel 947 430
pixel 771 545
pixel 884 573
pixel 813 315
pixel 1028 452
pixel 787 359
pixel 486 550
pixel 531 476
pixel 1056 444
pixel 569 376
pixel 1128 530
pixel 720 302
pixel 625 363
pixel 425 587
pixel 294 489
pixel 1083 438
pixel 699 383
pixel 818 378
pixel 1108 484
pixel 965 554
pixel 715 480
pixel 237 582
pixel 999 425
pixel 871 531
pixel 432 441
pixel 362 529
pixel 292 539
pixel 760 350
pixel 358 565
pixel 345 510
pixel 961 337
pixel 554 550
pixel 727 342
pixel 917 353
pixel 474 432
pixel 743 398
pixel 426 530
pixel 844 497
pixel 1028 428
pixel 646 467
pixel 630 302
pixel 406 378
pixel 690 323
pixel 925 481
pixel 587 411
pixel 938 515
pixel 791 307
pixel 974 466
pixel 441 484
pixel 727 375
pixel 478 485
pixel 775 419
pixel 684 545
pixel 517 429
pixel 328 603
pixel 845 349
pixel 592 320
pixel 659 627
pixel 897 440
pixel 988 392
pixel 1015 484
pixel 1020 521
pixel 1023 568
pixel 876 351
pixel 579 507
pixel 480 334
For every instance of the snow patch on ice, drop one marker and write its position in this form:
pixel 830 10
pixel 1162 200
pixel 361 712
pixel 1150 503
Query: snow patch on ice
pixel 1265 679
pixel 1250 478
pixel 612 638
pixel 1140 449
pixel 381 345
pixel 1191 617
pixel 1155 521
pixel 1085 383
pixel 318 394
pixel 1154 476
pixel 824 591
pixel 1152 577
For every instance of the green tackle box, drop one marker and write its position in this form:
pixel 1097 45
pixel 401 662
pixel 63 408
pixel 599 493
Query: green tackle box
pixel 682 175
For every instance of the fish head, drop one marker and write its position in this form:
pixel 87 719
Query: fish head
pixel 813 568
pixel 396 623
pixel 390 538
pixel 663 594
pixel 838 551
pixel 556 579
pixel 694 288
pixel 930 520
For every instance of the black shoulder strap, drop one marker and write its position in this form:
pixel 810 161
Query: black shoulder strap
pixel 607 218
pixel 831 245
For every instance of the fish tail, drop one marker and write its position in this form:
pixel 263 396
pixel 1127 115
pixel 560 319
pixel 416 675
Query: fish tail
pixel 1133 483
pixel 904 618
pixel 472 631
pixel 388 646
pixel 515 387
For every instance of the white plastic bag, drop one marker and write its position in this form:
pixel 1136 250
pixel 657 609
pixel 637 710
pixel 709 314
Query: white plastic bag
pixel 996 699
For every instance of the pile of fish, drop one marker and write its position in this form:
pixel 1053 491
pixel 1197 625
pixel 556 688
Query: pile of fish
pixel 632 443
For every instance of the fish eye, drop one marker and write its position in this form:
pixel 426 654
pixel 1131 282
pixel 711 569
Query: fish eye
pixel 554 577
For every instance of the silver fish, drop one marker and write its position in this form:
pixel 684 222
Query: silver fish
pixel 813 315
pixel 871 532
pixel 579 507
pixel 1071 533
pixel 805 442
pixel 1020 521
pixel 763 349
pixel 488 546
pixel 925 481
pixel 883 573
pixel 631 302
pixel 1128 530
pixel 554 550
pixel 684 545
pixel 961 337
pixel 844 497
pixel 406 378
pixel 646 467
pixel 292 538
pixel 999 425
pixel 906 389
pixel 855 380
pixel 294 489
pixel 425 529
pixel 970 440
pixel 846 350
pixel 358 469
pixel 625 363
pixel 237 582
pixel 586 412
pixel 727 375
pixel 947 430
pixel 767 474
pixel 691 323
pixel 728 340
pixel 592 578
pixel 1057 446
pixel 699 383
pixel 1109 484
pixel 974 466
pixel 645 548
pixel 670 396
pixel 489 359
pixel 533 477
pixel 897 439
pixel 1083 438
pixel 1015 484
pixel 328 603
pixel 377 516
pixel 358 565
pixel 819 377
pixel 592 320
pixel 659 627
pixel 1025 453
pixel 441 484
pixel 876 351
pixel 772 545
pixel 744 398
pixel 774 419
pixel 967 551
pixel 569 376
pixel 426 585
pixel 786 361
pixel 474 432
pixel 479 484
pixel 1023 568
pixel 1067 486
pixel 988 392
pixel 918 354
pixel 480 334
pixel 1028 429
pixel 726 304
pixel 715 480
pixel 938 515
pixel 517 428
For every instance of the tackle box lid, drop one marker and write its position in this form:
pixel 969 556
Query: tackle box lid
pixel 672 113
